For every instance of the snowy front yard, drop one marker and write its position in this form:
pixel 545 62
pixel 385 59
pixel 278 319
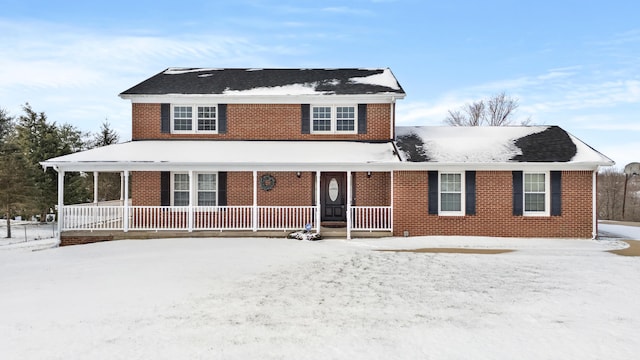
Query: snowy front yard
pixel 288 299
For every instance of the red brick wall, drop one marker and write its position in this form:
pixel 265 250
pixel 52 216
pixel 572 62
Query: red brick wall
pixel 374 190
pixel 493 208
pixel 145 188
pixel 261 122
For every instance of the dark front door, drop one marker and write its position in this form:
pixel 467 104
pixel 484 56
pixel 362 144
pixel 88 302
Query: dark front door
pixel 333 194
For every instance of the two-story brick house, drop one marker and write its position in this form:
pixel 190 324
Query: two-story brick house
pixel 275 149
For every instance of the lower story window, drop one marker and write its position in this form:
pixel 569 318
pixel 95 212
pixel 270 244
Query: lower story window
pixel 205 188
pixel 535 194
pixel 451 193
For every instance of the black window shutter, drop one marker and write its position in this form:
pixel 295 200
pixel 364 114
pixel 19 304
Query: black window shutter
pixel 165 188
pixel 306 118
pixel 556 193
pixel 222 188
pixel 165 118
pixel 362 118
pixel 433 192
pixel 222 118
pixel 517 193
pixel 470 192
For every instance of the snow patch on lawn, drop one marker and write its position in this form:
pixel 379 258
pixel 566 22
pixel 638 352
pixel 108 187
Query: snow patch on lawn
pixel 288 299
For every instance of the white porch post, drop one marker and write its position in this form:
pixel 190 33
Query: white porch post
pixel 391 203
pixel 254 210
pixel 95 187
pixel 121 187
pixel 348 205
pixel 318 201
pixel 125 215
pixel 60 202
pixel 191 196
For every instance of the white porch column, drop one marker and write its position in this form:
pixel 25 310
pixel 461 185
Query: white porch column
pixel 60 201
pixel 349 205
pixel 391 203
pixel 318 201
pixel 191 197
pixel 254 209
pixel 121 187
pixel 125 212
pixel 95 187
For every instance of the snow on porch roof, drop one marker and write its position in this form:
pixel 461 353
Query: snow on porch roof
pixel 495 145
pixel 203 81
pixel 177 155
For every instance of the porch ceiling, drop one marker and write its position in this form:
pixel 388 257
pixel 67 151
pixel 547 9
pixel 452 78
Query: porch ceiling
pixel 159 155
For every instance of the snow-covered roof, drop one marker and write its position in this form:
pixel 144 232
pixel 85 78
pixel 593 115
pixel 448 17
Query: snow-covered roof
pixel 495 145
pixel 426 147
pixel 276 82
pixel 223 155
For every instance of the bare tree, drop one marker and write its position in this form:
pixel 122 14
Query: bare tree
pixel 610 192
pixel 498 110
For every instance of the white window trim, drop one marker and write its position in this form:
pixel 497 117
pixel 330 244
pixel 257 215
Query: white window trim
pixel 194 119
pixel 462 211
pixel 547 195
pixel 334 119
pixel 194 181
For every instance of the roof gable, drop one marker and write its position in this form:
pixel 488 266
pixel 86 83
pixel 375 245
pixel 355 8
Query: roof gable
pixel 202 81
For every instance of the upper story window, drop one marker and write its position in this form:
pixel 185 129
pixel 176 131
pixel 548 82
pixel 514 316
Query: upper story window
pixel 536 196
pixel 451 194
pixel 333 119
pixel 193 118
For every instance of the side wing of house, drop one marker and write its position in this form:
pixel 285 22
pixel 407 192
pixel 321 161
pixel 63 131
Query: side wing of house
pixel 511 182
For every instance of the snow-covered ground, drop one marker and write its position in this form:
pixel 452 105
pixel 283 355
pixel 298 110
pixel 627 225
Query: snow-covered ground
pixel 261 298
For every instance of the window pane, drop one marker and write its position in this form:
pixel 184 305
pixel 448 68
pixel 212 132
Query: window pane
pixel 180 182
pixel 206 118
pixel 182 117
pixel 451 182
pixel 206 182
pixel 321 118
pixel 180 198
pixel 534 182
pixel 345 118
pixel 206 198
pixel 450 202
pixel 534 202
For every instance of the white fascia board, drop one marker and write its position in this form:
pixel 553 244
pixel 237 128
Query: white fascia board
pixel 263 99
pixel 417 166
pixel 165 166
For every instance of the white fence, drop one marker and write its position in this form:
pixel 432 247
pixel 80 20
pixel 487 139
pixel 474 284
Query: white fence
pixel 371 218
pixel 154 218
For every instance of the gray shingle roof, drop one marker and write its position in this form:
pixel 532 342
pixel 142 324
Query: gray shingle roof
pixel 493 145
pixel 220 81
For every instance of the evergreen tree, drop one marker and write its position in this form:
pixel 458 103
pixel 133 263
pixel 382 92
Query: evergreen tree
pixel 108 183
pixel 40 140
pixel 13 184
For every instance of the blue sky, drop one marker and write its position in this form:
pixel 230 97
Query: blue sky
pixel 570 63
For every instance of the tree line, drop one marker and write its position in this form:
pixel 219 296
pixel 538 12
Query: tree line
pixel 26 189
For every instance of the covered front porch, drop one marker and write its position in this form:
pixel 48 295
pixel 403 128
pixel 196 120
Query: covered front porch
pixel 263 198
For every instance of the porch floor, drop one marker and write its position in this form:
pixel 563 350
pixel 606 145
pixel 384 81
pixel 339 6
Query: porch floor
pixel 74 237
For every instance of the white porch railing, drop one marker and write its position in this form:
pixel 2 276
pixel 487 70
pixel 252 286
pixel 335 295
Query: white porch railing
pixel 285 217
pixel 371 218
pixel 154 218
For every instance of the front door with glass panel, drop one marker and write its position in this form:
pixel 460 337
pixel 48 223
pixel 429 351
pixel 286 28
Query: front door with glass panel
pixel 333 195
